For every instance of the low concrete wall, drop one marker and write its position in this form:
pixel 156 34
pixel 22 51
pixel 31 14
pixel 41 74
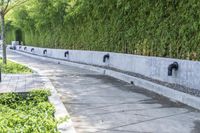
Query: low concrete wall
pixel 187 75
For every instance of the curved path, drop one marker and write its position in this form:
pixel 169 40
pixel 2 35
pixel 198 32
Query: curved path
pixel 98 103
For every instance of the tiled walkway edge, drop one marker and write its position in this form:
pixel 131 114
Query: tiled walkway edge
pixel 159 89
pixel 66 125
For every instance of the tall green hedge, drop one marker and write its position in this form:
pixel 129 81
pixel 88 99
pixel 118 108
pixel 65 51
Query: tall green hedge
pixel 167 28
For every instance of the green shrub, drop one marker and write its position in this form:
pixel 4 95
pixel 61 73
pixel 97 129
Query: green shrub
pixel 167 28
pixel 27 113
pixel 14 68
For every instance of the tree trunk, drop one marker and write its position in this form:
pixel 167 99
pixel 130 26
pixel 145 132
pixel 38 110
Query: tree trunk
pixel 3 38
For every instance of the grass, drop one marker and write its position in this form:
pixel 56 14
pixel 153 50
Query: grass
pixel 27 113
pixel 14 68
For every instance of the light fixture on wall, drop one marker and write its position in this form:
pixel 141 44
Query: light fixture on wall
pixel 32 49
pixel 171 67
pixel 66 54
pixel 106 57
pixel 45 52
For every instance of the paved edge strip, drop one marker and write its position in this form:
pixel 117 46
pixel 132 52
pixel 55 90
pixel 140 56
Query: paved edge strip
pixel 159 89
pixel 61 113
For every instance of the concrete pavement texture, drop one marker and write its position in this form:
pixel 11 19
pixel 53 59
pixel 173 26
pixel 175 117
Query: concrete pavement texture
pixel 21 82
pixel 98 103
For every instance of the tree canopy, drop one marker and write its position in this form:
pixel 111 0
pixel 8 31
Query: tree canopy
pixel 164 28
pixel 5 7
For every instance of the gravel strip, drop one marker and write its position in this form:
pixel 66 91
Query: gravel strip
pixel 177 87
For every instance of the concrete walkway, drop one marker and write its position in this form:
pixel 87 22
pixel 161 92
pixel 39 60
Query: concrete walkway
pixel 21 83
pixel 98 103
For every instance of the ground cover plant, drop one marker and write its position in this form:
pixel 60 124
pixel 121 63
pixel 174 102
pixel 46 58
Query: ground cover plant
pixel 27 113
pixel 14 68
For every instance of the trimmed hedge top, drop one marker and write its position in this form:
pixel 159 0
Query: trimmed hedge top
pixel 167 28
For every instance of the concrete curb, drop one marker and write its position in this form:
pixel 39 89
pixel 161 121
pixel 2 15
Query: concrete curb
pixel 159 89
pixel 66 126
pixel 155 68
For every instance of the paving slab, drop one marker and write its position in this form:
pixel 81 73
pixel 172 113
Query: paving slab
pixel 21 82
pixel 98 103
